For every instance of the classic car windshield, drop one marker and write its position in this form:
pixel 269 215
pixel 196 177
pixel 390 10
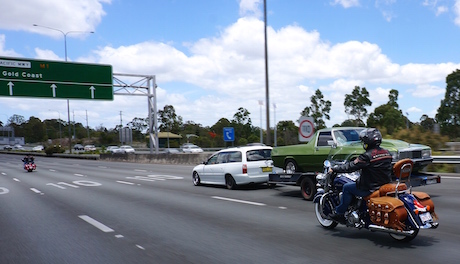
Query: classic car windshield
pixel 346 136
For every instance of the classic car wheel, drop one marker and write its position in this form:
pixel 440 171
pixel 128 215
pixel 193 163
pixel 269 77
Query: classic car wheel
pixel 290 166
pixel 196 179
pixel 307 188
pixel 230 182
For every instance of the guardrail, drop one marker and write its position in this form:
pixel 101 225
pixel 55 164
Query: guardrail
pixel 446 159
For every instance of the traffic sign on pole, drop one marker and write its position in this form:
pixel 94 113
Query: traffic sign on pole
pixel 306 128
pixel 52 79
pixel 229 134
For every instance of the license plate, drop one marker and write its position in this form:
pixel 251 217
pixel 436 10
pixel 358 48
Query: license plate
pixel 267 169
pixel 425 217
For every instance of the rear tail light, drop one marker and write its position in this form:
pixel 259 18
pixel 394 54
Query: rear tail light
pixel 245 169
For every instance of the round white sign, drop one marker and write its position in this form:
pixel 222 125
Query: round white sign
pixel 306 128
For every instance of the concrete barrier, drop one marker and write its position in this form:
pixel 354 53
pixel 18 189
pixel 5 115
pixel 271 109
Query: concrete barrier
pixel 162 158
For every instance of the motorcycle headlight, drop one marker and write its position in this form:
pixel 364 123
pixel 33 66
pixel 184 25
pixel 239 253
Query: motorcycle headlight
pixel 320 176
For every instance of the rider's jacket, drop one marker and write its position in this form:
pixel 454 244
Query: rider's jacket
pixel 376 168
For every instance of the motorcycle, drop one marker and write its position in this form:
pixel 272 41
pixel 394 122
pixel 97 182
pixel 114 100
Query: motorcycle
pixel 29 166
pixel 394 208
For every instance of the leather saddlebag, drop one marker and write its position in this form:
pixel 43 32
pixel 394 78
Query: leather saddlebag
pixel 426 201
pixel 387 211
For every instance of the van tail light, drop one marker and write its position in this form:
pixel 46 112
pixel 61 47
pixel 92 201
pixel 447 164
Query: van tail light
pixel 245 169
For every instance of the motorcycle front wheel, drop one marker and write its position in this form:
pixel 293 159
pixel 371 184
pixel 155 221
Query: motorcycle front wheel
pixel 402 238
pixel 322 209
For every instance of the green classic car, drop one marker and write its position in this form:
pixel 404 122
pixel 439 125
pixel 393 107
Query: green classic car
pixel 309 157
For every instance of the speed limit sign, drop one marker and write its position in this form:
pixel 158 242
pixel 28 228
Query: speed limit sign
pixel 306 129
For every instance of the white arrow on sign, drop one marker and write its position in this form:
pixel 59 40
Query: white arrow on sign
pixel 92 91
pixel 53 87
pixel 10 85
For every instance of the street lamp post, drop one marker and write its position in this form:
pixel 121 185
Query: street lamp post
pixel 261 103
pixel 60 132
pixel 65 54
pixel 274 121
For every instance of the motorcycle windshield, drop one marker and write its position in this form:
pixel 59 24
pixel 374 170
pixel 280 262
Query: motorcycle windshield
pixel 344 152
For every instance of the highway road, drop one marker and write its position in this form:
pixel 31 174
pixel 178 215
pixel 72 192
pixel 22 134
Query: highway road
pixel 85 211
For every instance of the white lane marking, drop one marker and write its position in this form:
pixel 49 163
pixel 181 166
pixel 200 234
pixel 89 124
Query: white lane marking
pixel 3 173
pixel 15 179
pixel 119 236
pixel 282 207
pixel 96 223
pixel 165 177
pixel 35 190
pixel 450 177
pixel 140 170
pixel 52 170
pixel 237 201
pixel 102 167
pixel 55 185
pixel 123 182
pixel 4 190
pixel 155 178
pixel 141 247
pixel 79 175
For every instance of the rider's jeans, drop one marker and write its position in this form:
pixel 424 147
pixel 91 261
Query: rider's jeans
pixel 349 191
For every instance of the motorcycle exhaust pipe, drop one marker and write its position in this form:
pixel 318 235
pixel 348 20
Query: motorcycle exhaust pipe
pixel 378 228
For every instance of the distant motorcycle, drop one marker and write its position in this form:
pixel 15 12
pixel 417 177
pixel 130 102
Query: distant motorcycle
pixel 393 209
pixel 29 167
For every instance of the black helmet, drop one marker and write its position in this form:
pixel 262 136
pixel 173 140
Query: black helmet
pixel 370 137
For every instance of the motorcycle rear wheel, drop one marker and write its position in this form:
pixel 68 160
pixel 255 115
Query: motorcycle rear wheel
pixel 320 208
pixel 402 238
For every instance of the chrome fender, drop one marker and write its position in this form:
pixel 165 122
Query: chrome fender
pixel 318 195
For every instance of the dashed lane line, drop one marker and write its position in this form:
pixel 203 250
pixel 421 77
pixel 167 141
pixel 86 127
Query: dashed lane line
pixel 96 224
pixel 237 201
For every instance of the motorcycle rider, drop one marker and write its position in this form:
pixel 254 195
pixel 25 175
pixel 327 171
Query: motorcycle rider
pixel 28 159
pixel 376 168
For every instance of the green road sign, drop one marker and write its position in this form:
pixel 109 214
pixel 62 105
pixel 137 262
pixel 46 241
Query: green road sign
pixel 53 79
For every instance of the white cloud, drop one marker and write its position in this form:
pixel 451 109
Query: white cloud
pixel 250 8
pixel 427 91
pixel 10 53
pixel 82 15
pixel 46 54
pixel 346 3
pixel 457 12
pixel 414 110
pixel 441 10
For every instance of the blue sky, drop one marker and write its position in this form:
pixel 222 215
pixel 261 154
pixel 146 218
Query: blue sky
pixel 208 55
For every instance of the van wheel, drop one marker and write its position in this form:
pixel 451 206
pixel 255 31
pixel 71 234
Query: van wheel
pixel 230 182
pixel 307 188
pixel 290 166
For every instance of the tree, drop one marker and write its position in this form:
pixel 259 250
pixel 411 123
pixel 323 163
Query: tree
pixel 34 130
pixel 318 109
pixel 393 98
pixel 356 102
pixel 287 133
pixel 242 124
pixel 388 116
pixel 16 120
pixel 169 120
pixel 427 123
pixel 138 124
pixel 448 115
